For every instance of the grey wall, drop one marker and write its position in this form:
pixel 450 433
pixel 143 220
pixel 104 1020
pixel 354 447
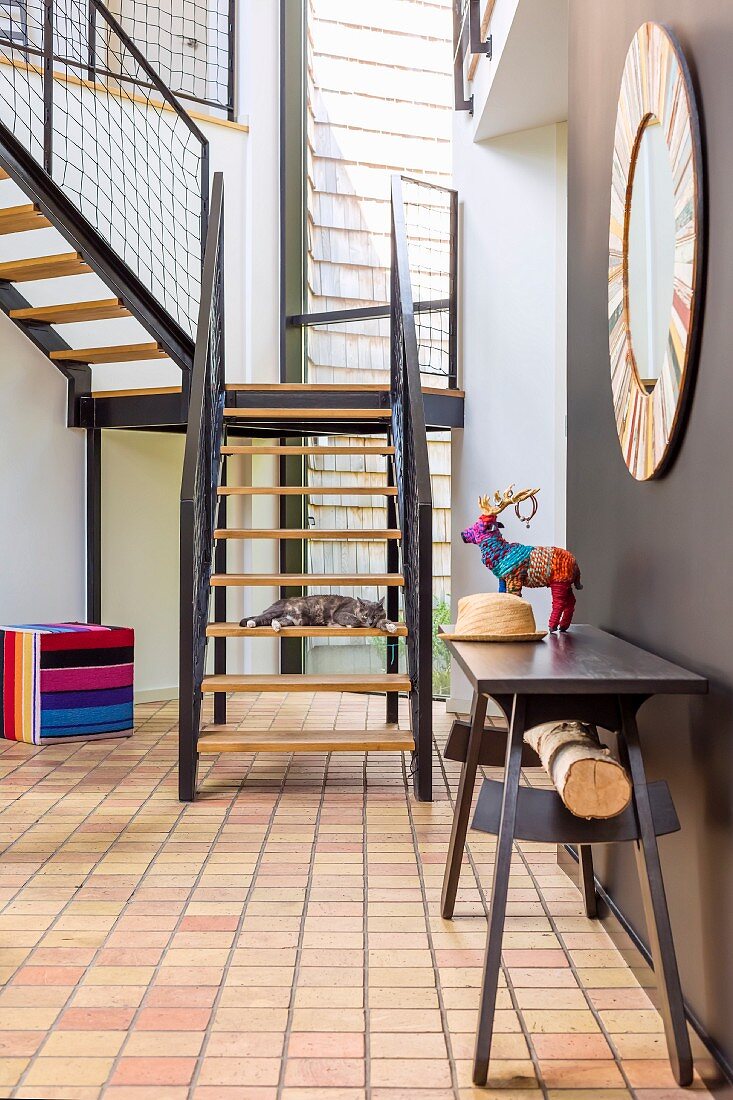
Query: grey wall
pixel 656 557
pixel 513 208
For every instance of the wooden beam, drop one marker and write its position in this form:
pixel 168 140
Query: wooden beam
pixel 315 534
pixel 43 267
pixel 234 630
pixel 119 353
pixel 22 219
pixel 283 414
pixel 308 490
pixel 225 739
pixel 301 683
pixel 307 580
pixel 277 449
pixel 150 392
pixel 68 312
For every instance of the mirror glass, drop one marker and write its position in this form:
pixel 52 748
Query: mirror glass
pixel 651 254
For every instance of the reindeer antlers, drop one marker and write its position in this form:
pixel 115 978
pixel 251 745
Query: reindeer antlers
pixel 504 500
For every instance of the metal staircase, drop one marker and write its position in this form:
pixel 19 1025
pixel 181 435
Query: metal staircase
pixel 390 420
pixel 107 218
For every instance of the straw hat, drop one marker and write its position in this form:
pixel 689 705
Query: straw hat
pixel 494 617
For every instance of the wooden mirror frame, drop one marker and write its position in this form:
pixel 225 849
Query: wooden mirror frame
pixel 656 87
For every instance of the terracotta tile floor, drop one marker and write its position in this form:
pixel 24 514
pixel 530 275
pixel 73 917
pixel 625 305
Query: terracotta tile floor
pixel 280 938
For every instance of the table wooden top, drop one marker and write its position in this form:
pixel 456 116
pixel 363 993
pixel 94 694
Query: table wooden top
pixel 585 661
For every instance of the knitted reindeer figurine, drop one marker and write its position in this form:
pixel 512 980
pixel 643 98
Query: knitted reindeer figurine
pixel 518 566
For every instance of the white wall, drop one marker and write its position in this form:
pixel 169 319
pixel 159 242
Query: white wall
pixel 512 279
pixel 42 484
pixel 141 484
pixel 525 83
pixel 258 65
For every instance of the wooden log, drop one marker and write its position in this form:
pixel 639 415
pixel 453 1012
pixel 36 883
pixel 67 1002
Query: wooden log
pixel 590 782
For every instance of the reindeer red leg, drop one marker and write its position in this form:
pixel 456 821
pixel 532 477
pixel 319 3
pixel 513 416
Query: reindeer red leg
pixel 559 591
pixel 567 615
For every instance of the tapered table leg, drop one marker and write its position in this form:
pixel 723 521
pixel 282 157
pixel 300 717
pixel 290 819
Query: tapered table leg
pixel 587 881
pixel 463 806
pixel 656 913
pixel 499 891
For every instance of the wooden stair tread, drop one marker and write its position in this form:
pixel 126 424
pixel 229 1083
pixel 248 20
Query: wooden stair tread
pixel 307 580
pixel 307 387
pixel 147 391
pixel 21 219
pixel 67 312
pixel 315 534
pixel 329 387
pixel 234 630
pixel 4 175
pixel 225 739
pixel 291 449
pixel 120 353
pixel 388 682
pixel 308 490
pixel 43 267
pixel 308 414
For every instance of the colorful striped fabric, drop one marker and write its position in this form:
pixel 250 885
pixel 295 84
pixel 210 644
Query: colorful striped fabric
pixel 65 680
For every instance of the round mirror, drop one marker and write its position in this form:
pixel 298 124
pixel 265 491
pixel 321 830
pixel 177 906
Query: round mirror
pixel 655 250
pixel 650 254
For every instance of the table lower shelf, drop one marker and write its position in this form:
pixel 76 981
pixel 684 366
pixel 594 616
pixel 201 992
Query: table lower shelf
pixel 541 816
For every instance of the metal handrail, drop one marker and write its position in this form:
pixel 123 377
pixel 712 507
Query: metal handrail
pixel 467 41
pixel 199 483
pixel 414 494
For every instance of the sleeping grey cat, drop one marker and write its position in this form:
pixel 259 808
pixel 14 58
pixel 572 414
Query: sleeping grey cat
pixel 323 611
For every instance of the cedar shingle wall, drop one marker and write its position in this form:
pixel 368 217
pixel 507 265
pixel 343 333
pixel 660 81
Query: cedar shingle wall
pixel 378 101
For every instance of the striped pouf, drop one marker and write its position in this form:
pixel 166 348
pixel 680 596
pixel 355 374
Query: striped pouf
pixel 66 682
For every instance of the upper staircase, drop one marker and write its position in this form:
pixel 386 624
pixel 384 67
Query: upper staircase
pixel 104 197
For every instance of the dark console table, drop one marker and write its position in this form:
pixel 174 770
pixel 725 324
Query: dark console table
pixel 589 676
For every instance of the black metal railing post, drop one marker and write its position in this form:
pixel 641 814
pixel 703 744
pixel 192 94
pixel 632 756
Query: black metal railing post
pixel 220 603
pixel 393 597
pixel 48 54
pixel 477 43
pixel 231 85
pixel 92 41
pixel 199 494
pixel 414 495
pixel 460 30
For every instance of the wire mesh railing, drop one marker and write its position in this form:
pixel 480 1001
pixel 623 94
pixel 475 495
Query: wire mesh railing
pixel 431 215
pixel 199 483
pixel 412 473
pixel 190 45
pixel 352 344
pixel 82 100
